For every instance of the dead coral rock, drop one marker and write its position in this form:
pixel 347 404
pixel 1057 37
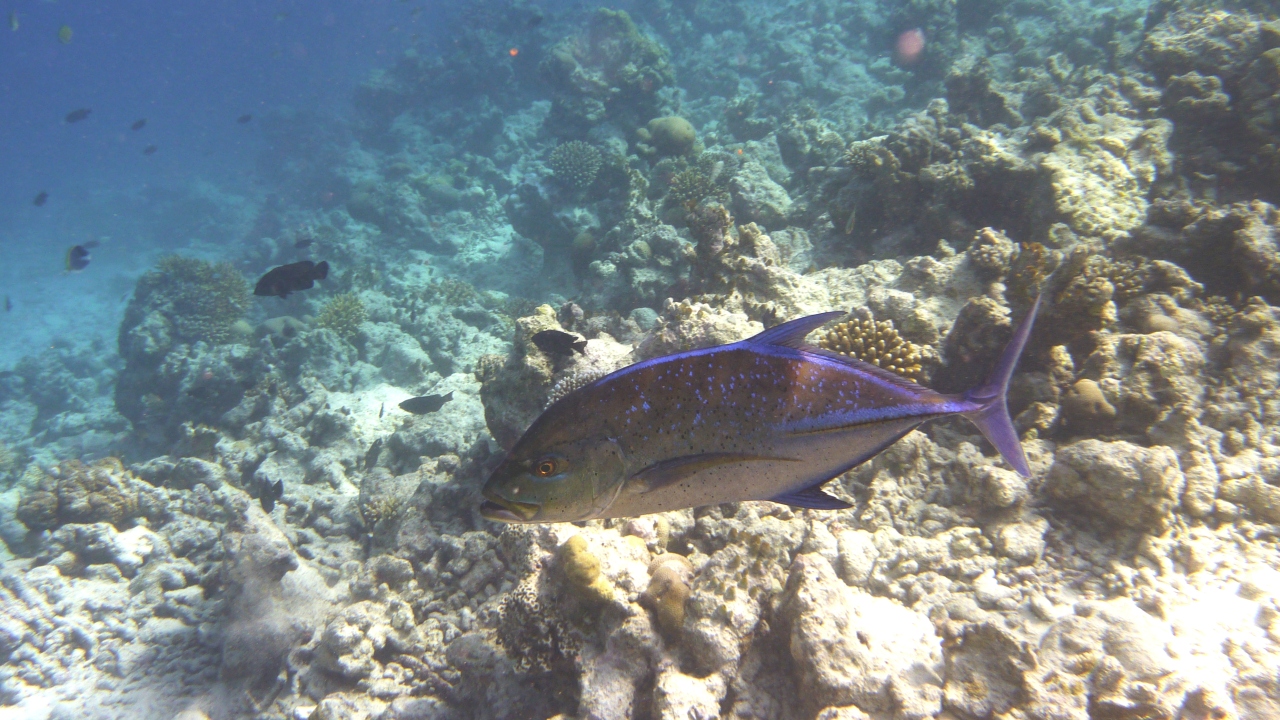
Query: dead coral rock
pixel 1148 378
pixel 690 325
pixel 853 648
pixel 1107 660
pixel 984 671
pixel 981 330
pixel 991 253
pixel 1119 482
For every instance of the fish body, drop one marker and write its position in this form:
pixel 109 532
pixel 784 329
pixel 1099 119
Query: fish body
pixel 138 124
pixel 77 115
pixel 64 34
pixel 281 281
pixel 558 342
pixel 244 119
pixel 41 198
pixel 303 242
pixel 268 494
pixel 8 304
pixel 149 150
pixel 767 418
pixel 426 403
pixel 13 21
pixel 78 258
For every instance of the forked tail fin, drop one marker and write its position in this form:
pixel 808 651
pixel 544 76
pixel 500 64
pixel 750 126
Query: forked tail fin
pixel 992 417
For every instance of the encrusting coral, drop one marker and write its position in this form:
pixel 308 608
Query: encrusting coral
pixel 575 164
pixel 877 343
pixel 343 314
pixel 78 493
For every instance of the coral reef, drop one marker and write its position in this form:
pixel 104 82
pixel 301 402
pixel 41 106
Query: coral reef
pixel 682 176
pixel 877 343
pixel 575 164
pixel 343 314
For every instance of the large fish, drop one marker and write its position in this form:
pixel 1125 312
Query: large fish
pixel 767 418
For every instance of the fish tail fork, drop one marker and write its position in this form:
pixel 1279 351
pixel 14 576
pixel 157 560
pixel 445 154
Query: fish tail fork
pixel 992 414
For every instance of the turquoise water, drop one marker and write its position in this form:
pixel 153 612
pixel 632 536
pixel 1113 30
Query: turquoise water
pixel 340 257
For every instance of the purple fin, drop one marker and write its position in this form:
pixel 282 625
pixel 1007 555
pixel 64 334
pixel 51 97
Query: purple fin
pixel 813 498
pixel 992 415
pixel 667 472
pixel 793 332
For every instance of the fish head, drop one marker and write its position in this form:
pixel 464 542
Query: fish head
pixel 564 482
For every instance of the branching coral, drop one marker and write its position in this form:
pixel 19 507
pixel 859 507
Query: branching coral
pixel 573 381
pixel 453 291
pixel 195 299
pixel 877 343
pixel 575 164
pixel 343 314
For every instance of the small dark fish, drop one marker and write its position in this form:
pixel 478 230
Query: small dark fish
pixel 8 304
pixel 149 150
pixel 303 242
pixel 426 403
pixel 559 342
pixel 381 408
pixel 78 258
pixel 76 116
pixel 371 457
pixel 290 278
pixel 268 494
pixel 535 21
pixel 41 199
pixel 138 124
pixel 64 34
pixel 244 119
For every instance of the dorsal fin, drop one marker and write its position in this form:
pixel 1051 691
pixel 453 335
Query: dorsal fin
pixel 793 332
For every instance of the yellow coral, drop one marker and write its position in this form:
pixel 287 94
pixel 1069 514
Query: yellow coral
pixel 343 314
pixel 669 578
pixel 877 343
pixel 581 568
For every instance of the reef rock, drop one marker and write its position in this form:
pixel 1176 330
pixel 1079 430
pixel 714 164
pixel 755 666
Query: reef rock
pixel 853 648
pixel 1119 482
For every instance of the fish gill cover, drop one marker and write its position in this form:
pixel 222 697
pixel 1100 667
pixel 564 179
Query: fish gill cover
pixel 214 505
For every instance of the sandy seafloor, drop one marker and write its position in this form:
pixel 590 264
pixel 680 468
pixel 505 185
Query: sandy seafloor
pixel 668 177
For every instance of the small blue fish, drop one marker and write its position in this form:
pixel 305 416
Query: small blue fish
pixel 767 418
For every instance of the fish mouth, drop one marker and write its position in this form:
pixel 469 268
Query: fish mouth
pixel 496 507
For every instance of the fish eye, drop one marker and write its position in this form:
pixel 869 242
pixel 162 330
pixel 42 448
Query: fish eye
pixel 548 466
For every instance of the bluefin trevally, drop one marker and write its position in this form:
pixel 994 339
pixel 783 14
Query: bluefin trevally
pixel 766 418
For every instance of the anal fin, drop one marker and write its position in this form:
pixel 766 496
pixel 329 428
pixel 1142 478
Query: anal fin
pixel 813 498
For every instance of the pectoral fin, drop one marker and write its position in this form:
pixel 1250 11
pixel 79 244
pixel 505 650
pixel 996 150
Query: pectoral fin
pixel 668 472
pixel 813 498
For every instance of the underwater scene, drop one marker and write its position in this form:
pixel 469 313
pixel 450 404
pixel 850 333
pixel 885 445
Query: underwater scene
pixel 640 360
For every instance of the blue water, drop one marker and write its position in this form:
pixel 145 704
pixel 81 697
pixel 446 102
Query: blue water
pixel 189 69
